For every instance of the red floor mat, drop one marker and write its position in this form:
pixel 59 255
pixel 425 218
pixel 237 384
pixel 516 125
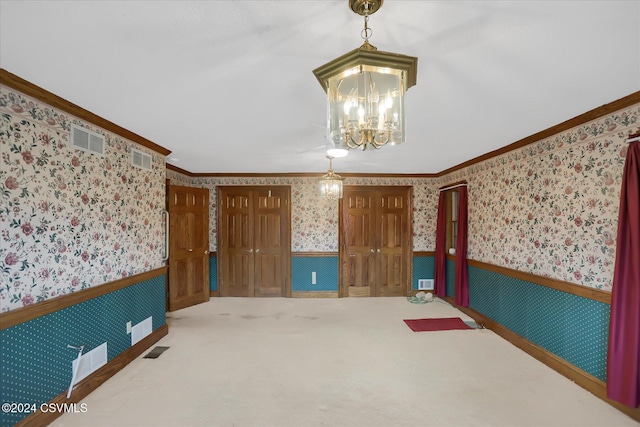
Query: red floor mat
pixel 443 324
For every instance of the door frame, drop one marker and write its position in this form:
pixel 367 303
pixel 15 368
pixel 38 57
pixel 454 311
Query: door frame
pixel 342 289
pixel 286 274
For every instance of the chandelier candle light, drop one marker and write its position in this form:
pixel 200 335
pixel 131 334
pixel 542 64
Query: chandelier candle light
pixel 331 184
pixel 365 90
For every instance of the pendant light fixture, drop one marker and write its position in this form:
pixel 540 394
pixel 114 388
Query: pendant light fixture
pixel 331 184
pixel 365 90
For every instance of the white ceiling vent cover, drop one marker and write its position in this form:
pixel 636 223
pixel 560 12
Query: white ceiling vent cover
pixel 140 159
pixel 85 140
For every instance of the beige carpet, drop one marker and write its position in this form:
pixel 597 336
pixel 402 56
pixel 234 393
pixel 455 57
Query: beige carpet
pixel 335 362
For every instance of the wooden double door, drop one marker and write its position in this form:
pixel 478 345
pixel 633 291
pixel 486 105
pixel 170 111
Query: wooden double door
pixel 254 241
pixel 188 246
pixel 375 241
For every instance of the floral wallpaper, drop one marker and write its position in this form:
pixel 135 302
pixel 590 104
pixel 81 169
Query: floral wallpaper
pixel 314 220
pixel 551 208
pixel 69 219
pixel 178 178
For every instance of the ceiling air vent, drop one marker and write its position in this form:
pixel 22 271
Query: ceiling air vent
pixel 85 140
pixel 140 159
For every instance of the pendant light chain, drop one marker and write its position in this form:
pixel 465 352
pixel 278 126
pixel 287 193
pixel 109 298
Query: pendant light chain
pixel 366 32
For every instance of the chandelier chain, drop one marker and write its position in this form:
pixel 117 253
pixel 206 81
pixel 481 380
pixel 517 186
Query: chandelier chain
pixel 367 32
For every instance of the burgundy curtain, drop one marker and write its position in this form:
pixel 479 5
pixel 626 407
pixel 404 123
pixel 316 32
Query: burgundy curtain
pixel 623 361
pixel 462 274
pixel 440 280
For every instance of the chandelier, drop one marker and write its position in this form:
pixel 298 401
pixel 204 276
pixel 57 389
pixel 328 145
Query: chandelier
pixel 331 184
pixel 365 90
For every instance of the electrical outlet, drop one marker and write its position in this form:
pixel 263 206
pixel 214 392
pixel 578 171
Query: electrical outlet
pixel 129 327
pixel 313 277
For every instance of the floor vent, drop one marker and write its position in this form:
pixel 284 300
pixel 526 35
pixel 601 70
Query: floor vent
pixel 425 284
pixel 156 352
pixel 85 140
pixel 140 159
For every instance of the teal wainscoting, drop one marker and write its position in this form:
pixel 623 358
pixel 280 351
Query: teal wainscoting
pixel 451 278
pixel 213 273
pixel 422 269
pixel 570 326
pixel 326 268
pixel 36 363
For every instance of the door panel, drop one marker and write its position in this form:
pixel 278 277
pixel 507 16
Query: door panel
pixel 259 239
pixel 394 243
pixel 181 288
pixel 237 281
pixel 358 234
pixel 188 246
pixel 376 246
pixel 270 236
pixel 235 244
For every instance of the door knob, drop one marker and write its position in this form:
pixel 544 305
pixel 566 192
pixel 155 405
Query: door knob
pixel 372 251
pixel 190 250
pixel 257 250
pixel 378 250
pixel 206 252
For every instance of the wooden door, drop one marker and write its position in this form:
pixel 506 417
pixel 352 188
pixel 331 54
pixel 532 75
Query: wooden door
pixel 254 243
pixel 235 242
pixel 393 242
pixel 272 246
pixel 376 243
pixel 188 246
pixel 359 243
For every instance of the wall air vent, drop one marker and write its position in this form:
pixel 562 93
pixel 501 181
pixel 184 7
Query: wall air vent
pixel 425 284
pixel 141 330
pixel 85 140
pixel 140 159
pixel 90 362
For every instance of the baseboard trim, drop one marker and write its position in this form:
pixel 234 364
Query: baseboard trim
pixel 570 371
pixel 93 381
pixel 314 254
pixel 300 294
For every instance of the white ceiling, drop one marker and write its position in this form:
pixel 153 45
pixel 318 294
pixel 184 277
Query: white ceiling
pixel 227 86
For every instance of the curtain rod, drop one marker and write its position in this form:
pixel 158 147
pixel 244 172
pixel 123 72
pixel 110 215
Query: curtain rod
pixel 633 139
pixel 453 186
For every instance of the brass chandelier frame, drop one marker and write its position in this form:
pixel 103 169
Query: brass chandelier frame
pixel 367 55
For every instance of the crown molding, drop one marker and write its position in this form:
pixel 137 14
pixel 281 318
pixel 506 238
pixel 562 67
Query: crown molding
pixel 34 91
pixel 291 174
pixel 594 114
pixel 29 89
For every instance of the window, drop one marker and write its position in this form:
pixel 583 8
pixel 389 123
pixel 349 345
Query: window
pixel 451 198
